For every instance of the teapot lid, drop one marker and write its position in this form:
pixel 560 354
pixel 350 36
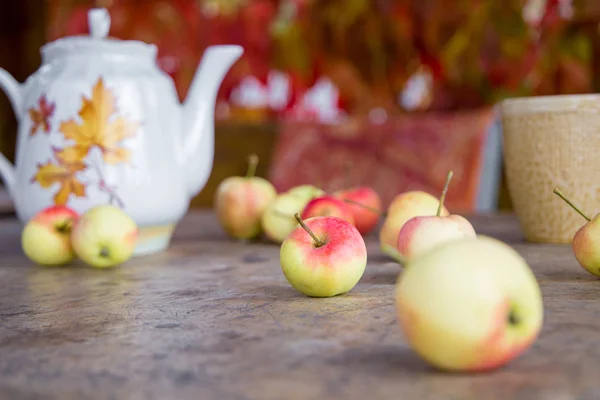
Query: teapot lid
pixel 97 41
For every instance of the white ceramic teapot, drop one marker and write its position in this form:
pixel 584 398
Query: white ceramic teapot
pixel 100 123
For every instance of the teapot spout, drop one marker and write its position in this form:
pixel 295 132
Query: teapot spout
pixel 198 114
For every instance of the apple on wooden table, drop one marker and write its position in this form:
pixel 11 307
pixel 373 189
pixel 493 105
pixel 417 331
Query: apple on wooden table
pixel 104 236
pixel 586 241
pixel 422 233
pixel 46 238
pixel 323 256
pixel 327 206
pixel 365 204
pixel 472 304
pixel 241 201
pixel 402 208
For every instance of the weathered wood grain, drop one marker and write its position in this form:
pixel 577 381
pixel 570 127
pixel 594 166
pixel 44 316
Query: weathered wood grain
pixel 215 319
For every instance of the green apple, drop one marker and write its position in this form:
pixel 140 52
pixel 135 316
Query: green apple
pixel 306 192
pixel 278 217
pixel 278 220
pixel 471 304
pixel 323 257
pixel 104 236
pixel 46 238
pixel 240 202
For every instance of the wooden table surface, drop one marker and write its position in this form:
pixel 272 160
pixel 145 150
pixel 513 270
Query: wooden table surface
pixel 215 319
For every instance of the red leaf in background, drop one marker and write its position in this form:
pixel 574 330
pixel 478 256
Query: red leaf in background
pixel 250 28
pixel 434 64
pixel 509 73
pixel 551 16
pixel 171 25
pixel 402 34
pixel 182 31
pixel 342 103
pixel 300 83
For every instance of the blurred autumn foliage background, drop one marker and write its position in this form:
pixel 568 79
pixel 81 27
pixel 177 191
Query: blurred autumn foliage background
pixel 383 58
pixel 469 52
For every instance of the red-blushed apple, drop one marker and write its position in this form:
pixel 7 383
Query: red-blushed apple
pixel 420 234
pixel 327 206
pixel 278 220
pixel 402 208
pixel 323 257
pixel 104 236
pixel 46 238
pixel 241 201
pixel 365 205
pixel 586 241
pixel 469 305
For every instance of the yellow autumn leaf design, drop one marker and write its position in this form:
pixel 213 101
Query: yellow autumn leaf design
pixel 97 129
pixel 61 172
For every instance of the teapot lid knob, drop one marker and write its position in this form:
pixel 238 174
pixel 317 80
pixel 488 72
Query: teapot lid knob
pixel 99 22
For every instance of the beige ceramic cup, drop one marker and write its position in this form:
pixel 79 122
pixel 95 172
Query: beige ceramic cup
pixel 548 142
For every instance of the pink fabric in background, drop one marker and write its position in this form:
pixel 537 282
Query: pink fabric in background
pixel 412 152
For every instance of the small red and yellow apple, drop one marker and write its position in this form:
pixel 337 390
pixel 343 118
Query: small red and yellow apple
pixel 469 305
pixel 104 236
pixel 585 241
pixel 46 237
pixel 327 206
pixel 402 208
pixel 241 201
pixel 323 256
pixel 365 205
pixel 422 233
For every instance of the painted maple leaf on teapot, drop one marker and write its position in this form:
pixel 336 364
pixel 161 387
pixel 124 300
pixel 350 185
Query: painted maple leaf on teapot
pixel 99 122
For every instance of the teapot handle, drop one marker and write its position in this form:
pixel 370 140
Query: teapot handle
pixel 12 88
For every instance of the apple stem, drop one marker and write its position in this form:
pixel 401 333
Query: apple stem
pixel 318 242
pixel 560 194
pixel 374 210
pixel 394 254
pixel 104 252
pixel 443 196
pixel 66 226
pixel 513 318
pixel 252 164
